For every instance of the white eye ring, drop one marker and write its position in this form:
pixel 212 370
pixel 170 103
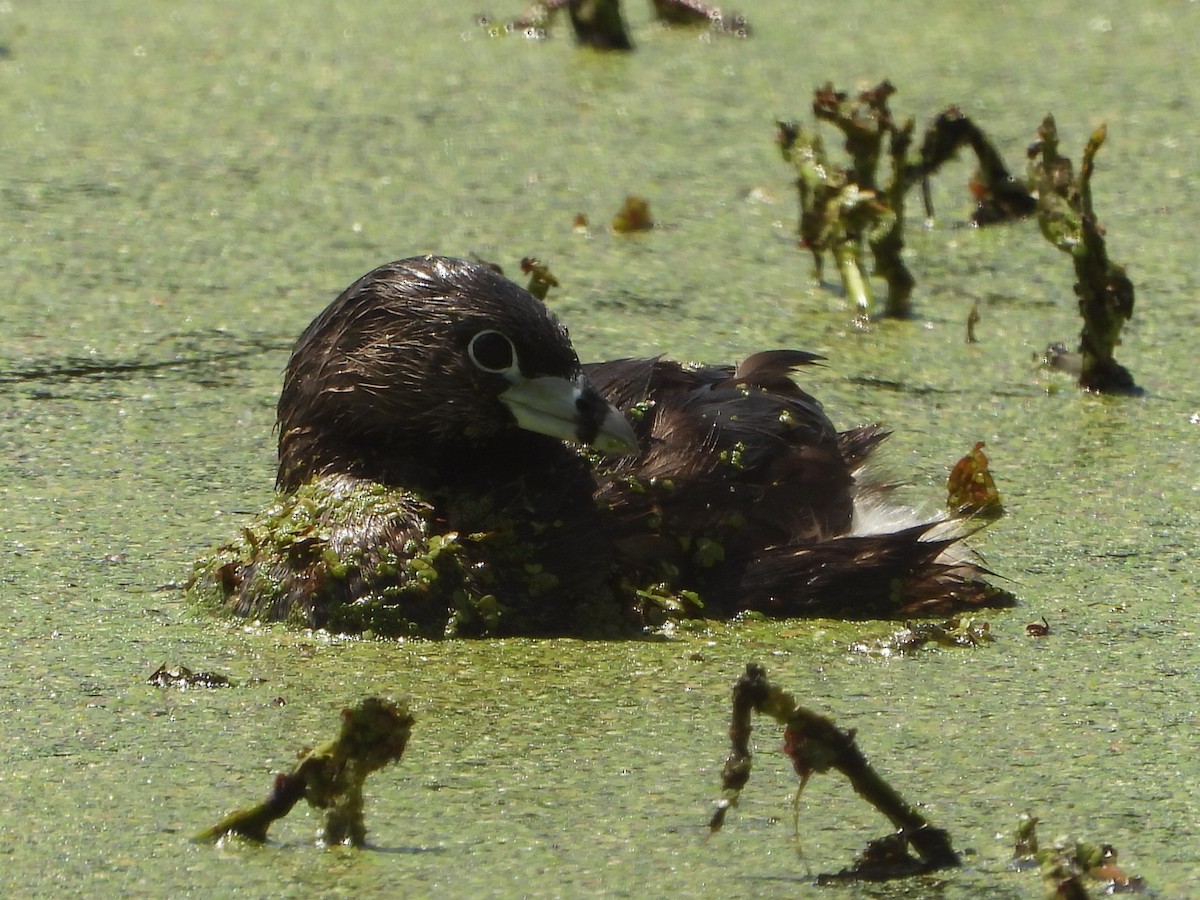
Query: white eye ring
pixel 492 352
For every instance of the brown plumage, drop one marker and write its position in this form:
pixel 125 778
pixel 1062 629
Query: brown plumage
pixel 431 481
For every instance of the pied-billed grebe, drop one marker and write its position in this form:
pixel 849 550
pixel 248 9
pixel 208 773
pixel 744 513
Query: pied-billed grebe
pixel 447 466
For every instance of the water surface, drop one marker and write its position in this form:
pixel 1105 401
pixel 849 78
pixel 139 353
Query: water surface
pixel 182 188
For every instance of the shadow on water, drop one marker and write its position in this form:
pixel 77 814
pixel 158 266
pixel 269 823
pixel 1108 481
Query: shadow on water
pixel 207 359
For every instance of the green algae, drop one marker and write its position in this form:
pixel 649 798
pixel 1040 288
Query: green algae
pixel 326 556
pixel 181 181
pixel 306 538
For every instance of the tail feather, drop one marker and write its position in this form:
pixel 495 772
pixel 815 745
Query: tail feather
pixel 917 570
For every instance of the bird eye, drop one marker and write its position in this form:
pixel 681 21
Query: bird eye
pixel 492 352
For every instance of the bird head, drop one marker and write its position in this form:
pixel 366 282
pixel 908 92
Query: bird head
pixel 430 355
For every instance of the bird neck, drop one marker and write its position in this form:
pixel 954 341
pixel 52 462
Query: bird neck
pixel 509 463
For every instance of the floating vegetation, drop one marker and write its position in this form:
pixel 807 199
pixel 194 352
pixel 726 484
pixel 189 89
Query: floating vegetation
pixel 634 215
pixel 694 12
pixel 599 24
pixel 815 745
pixel 373 734
pixel 958 631
pixel 1068 220
pixel 183 678
pixel 540 277
pixel 307 559
pixel 1068 866
pixel 1038 629
pixel 971 490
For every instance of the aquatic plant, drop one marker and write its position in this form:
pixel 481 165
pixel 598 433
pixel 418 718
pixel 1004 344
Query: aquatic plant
pixel 970 489
pixel 599 24
pixel 634 215
pixel 815 745
pixel 957 631
pixel 374 734
pixel 304 559
pixel 541 279
pixel 1068 220
pixel 1067 866
pixel 844 209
